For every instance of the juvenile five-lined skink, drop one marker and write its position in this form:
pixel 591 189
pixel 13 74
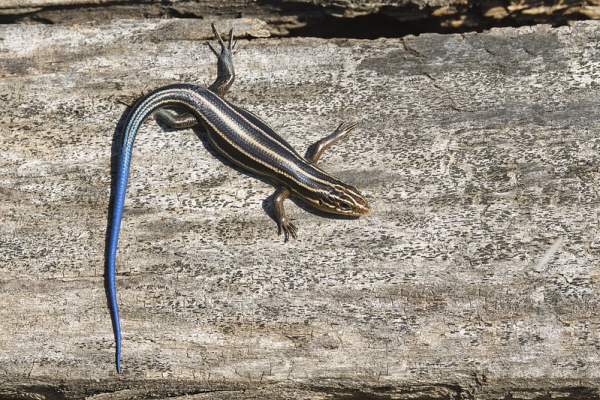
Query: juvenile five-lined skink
pixel 245 140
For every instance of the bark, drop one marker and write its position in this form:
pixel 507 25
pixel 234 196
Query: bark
pixel 475 275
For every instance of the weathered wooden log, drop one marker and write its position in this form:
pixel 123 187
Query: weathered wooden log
pixel 475 275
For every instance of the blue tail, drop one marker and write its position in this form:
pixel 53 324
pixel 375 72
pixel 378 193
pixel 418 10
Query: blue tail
pixel 119 200
pixel 134 120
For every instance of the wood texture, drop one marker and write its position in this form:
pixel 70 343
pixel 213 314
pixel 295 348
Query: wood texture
pixel 475 276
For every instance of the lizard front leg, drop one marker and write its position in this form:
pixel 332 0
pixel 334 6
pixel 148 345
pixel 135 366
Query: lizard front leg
pixel 284 223
pixel 316 149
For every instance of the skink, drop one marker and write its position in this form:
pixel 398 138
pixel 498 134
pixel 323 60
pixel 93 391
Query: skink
pixel 246 141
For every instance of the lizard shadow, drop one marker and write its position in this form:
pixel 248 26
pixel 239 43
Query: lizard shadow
pixel 267 203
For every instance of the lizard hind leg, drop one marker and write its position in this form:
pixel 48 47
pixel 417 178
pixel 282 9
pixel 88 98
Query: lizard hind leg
pixel 174 120
pixel 225 78
pixel 225 71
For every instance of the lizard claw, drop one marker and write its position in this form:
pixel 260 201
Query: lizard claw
pixel 343 130
pixel 224 48
pixel 288 228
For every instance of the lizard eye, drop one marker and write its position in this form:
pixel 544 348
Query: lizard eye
pixel 344 206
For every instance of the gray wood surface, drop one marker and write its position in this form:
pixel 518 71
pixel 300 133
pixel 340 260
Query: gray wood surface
pixel 475 276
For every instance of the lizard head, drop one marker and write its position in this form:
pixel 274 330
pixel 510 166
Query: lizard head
pixel 342 199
